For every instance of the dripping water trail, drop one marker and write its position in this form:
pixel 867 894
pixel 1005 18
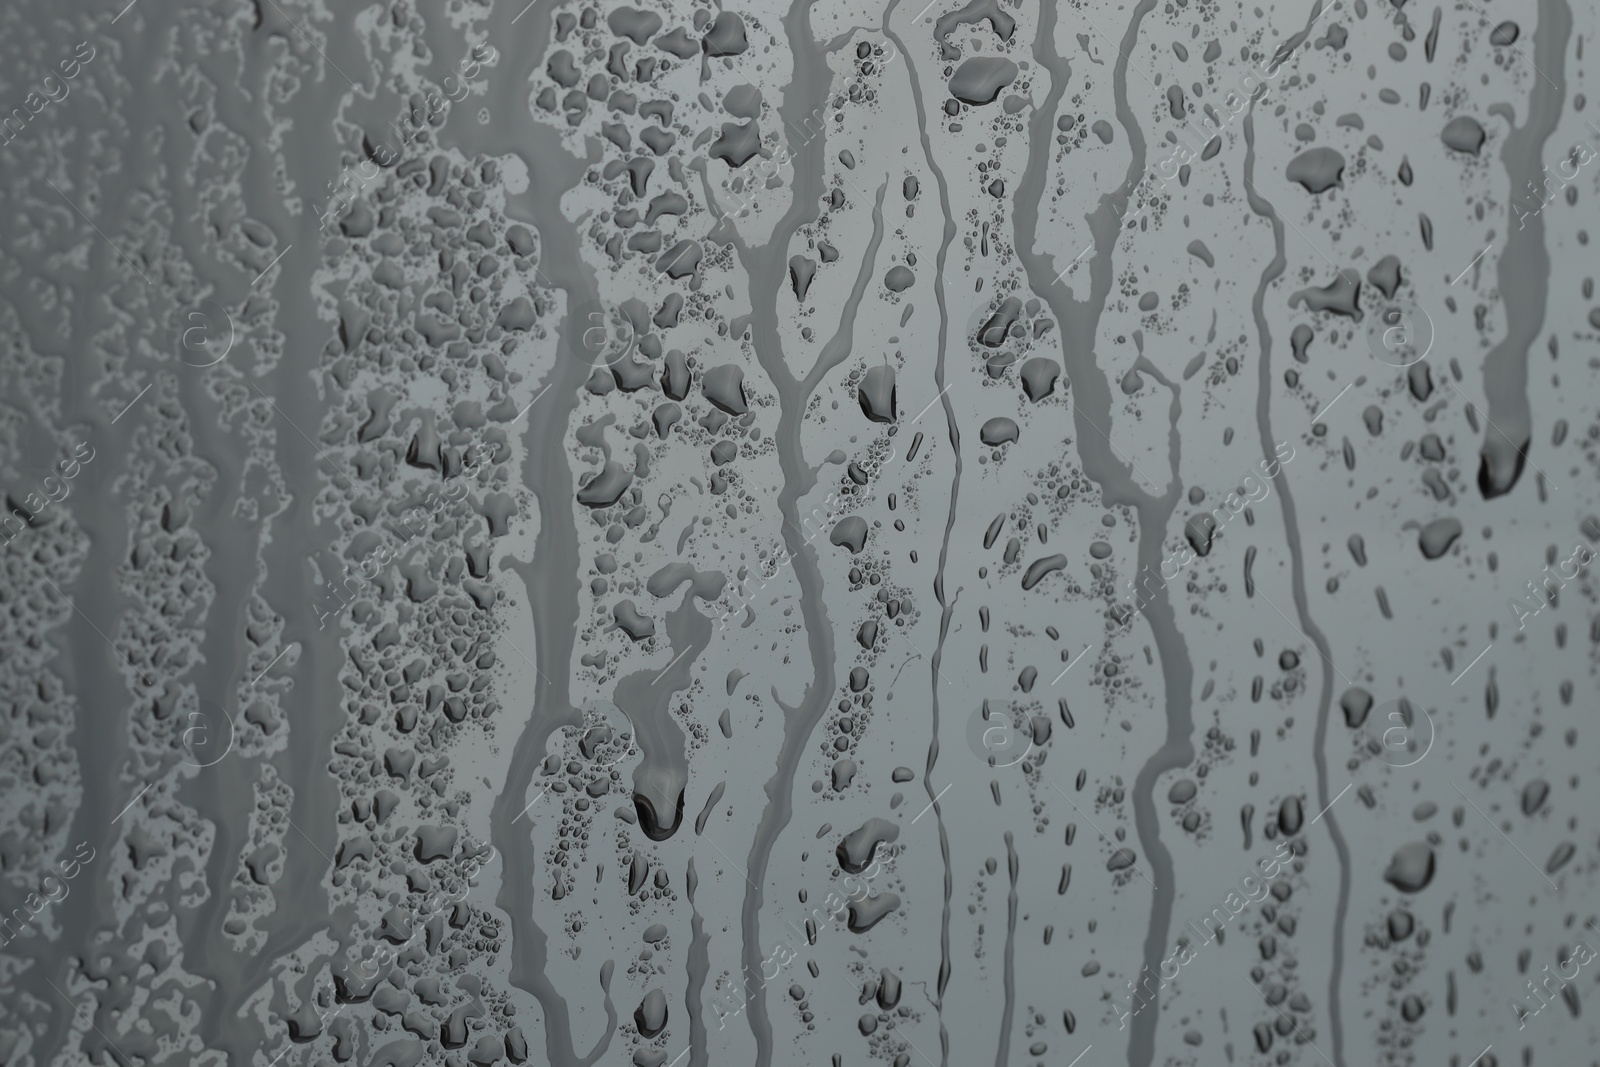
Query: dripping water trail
pixel 282 534
pixel 766 269
pixel 1298 571
pixel 698 965
pixel 946 606
pixel 1002 1055
pixel 1092 407
pixel 551 578
pixel 1523 270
